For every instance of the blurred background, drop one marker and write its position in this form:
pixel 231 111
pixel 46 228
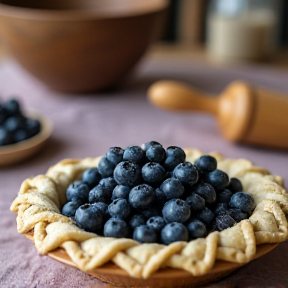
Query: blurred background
pixel 84 46
pixel 208 29
pixel 228 31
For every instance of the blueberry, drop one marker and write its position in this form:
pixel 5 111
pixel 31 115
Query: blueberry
pixel 206 163
pixel 156 153
pixel 108 183
pixel 137 220
pixel 77 191
pixel 32 126
pixel 176 210
pixel 103 191
pixel 196 229
pixel 218 179
pixel 119 208
pixel 134 154
pixel 156 222
pixel 105 167
pixel 69 209
pixel 169 174
pixel 224 221
pixel 235 185
pixel 116 228
pixel 147 145
pixel 20 135
pixel 120 191
pixel 145 234
pixel 89 218
pixel 196 202
pixel 154 210
pixel 206 191
pixel 104 209
pixel 212 226
pixel 6 137
pixel 142 196
pixel 172 188
pixel 173 232
pixel 3 114
pixel 206 216
pixel 221 208
pixel 99 194
pixel 242 201
pixel 160 197
pixel 224 196
pixel 127 173
pixel 153 173
pixel 115 155
pixel 12 107
pixel 14 123
pixel 102 206
pixel 174 156
pixel 237 214
pixel 186 173
pixel 91 177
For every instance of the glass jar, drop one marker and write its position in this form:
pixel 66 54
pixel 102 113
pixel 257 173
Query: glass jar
pixel 242 30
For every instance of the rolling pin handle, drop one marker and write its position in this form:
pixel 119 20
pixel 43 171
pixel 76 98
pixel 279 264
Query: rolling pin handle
pixel 233 108
pixel 173 95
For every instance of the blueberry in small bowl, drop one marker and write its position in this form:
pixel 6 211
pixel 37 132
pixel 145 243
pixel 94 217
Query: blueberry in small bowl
pixel 22 133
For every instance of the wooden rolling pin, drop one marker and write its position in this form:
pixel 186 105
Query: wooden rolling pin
pixel 245 113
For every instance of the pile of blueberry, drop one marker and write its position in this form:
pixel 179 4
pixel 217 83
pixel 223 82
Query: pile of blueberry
pixel 14 126
pixel 152 195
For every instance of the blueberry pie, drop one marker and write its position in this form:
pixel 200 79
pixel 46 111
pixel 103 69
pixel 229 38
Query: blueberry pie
pixel 146 208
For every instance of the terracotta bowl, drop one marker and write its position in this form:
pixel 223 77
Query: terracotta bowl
pixel 80 45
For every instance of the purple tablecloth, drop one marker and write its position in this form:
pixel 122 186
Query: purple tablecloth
pixel 87 125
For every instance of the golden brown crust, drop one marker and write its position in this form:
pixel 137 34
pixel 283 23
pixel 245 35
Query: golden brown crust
pixel 40 199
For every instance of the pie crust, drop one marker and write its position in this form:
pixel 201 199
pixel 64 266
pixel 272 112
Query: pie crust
pixel 38 207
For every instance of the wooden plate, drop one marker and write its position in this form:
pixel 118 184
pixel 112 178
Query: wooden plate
pixel 14 153
pixel 168 277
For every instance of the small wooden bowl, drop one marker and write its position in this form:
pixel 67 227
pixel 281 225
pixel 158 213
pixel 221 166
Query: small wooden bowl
pixel 80 45
pixel 14 153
